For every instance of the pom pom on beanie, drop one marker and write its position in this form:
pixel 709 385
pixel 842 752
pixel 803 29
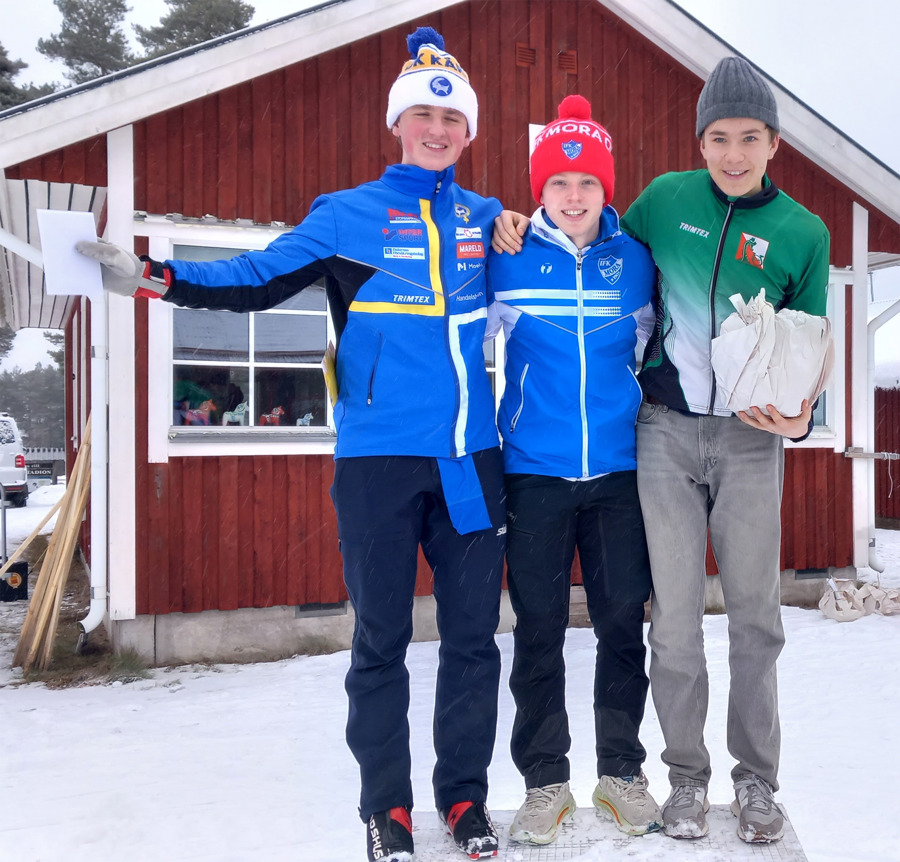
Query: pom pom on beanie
pixel 432 77
pixel 574 142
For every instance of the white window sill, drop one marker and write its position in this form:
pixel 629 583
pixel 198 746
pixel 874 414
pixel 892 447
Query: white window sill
pixel 216 442
pixel 820 438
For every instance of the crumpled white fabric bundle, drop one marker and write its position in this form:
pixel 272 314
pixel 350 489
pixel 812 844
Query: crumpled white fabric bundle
pixel 761 357
pixel 844 602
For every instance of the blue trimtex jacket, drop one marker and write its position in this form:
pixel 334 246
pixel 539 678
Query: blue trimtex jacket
pixel 402 259
pixel 569 318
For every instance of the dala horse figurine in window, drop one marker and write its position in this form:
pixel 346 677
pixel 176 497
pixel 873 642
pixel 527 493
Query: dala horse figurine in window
pixel 273 418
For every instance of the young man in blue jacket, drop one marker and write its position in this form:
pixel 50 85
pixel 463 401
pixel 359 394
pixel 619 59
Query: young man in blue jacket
pixel 568 303
pixel 417 455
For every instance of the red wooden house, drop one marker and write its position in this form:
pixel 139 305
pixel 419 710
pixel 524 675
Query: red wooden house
pixel 211 534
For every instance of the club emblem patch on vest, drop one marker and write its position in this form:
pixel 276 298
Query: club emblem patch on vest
pixel 572 149
pixel 753 250
pixel 610 268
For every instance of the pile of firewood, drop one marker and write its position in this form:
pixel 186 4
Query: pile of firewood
pixel 35 645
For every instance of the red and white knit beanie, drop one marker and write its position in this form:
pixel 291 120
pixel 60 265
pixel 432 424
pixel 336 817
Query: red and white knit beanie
pixel 574 142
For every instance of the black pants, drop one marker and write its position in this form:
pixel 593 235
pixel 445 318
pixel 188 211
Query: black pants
pixel 548 518
pixel 386 508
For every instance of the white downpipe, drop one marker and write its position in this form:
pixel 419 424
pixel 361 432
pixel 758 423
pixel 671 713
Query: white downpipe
pixel 21 248
pixel 863 400
pixel 98 336
pixel 861 421
pixel 874 325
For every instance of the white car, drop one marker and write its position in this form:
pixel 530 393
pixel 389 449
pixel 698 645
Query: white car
pixel 13 473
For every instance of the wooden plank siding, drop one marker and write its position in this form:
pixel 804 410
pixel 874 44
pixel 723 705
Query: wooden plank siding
pixel 257 531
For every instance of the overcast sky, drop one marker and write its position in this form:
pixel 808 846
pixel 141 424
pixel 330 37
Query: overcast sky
pixel 838 57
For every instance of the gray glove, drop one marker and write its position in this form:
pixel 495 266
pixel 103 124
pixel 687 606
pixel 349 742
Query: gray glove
pixel 122 271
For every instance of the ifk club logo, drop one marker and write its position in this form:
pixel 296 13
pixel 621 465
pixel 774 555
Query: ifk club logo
pixel 610 268
pixel 572 149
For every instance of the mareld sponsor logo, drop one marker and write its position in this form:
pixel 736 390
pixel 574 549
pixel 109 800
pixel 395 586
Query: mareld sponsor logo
pixel 469 249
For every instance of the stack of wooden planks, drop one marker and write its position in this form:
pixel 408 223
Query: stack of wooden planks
pixel 35 647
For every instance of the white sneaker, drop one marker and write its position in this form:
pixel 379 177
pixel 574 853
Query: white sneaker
pixel 760 818
pixel 684 812
pixel 628 802
pixel 544 810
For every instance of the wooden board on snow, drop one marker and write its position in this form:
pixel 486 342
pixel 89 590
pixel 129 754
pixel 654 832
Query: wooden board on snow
pixel 592 839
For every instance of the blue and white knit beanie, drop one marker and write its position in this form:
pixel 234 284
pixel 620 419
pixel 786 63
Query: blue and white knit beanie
pixel 432 77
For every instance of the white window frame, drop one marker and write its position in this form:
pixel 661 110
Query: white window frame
pixel 167 441
pixel 833 434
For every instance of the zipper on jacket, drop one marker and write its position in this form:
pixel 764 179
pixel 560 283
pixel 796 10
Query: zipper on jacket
pixel 514 421
pixel 454 450
pixel 712 304
pixel 582 391
pixel 374 369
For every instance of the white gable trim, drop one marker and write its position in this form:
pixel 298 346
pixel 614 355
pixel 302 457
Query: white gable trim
pixel 696 48
pixel 128 98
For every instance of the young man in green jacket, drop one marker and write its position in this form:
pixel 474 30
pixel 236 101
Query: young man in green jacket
pixel 714 233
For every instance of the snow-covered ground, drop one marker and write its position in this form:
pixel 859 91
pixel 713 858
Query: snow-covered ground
pixel 248 763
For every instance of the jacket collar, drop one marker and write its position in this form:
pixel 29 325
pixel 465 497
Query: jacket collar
pixel 542 225
pixel 768 193
pixel 418 182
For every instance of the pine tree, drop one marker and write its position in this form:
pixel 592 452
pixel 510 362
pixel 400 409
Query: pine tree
pixel 91 42
pixel 57 340
pixel 190 22
pixel 12 94
pixel 37 401
pixel 7 336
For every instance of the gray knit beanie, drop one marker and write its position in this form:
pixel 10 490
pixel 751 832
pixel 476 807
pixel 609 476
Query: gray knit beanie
pixel 736 89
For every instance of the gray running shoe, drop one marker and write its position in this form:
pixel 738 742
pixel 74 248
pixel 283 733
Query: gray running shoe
pixel 544 810
pixel 760 819
pixel 684 812
pixel 628 802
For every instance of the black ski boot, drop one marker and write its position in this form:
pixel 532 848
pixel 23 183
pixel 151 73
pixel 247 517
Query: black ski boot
pixel 389 836
pixel 470 825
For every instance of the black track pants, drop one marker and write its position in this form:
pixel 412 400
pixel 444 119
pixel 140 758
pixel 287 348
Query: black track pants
pixel 548 518
pixel 387 507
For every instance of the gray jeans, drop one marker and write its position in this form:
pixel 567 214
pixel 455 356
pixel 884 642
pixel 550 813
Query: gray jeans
pixel 697 473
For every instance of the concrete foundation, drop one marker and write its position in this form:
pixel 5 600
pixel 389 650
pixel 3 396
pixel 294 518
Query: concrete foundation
pixel 265 634
pixel 259 634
